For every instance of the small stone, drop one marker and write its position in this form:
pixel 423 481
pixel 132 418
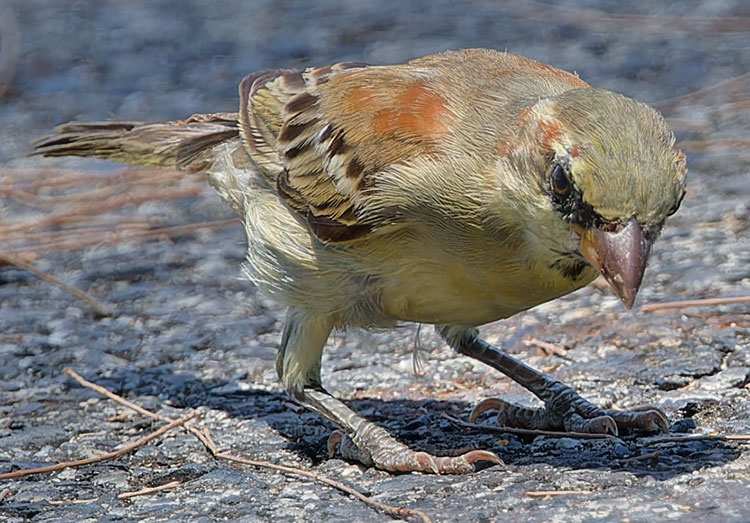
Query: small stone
pixel 620 450
pixel 568 443
pixel 683 425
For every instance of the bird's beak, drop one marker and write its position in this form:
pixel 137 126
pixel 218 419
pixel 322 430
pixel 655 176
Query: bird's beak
pixel 618 256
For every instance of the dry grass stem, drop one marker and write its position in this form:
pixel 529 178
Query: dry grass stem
pixel 742 438
pixel 725 87
pixel 83 209
pixel 111 395
pixel 550 349
pixel 527 432
pixel 148 490
pixel 707 302
pixel 650 455
pixel 205 437
pixel 601 21
pixel 110 455
pixel 550 493
pixel 700 146
pixel 10 47
pixel 18 261
pixel 60 502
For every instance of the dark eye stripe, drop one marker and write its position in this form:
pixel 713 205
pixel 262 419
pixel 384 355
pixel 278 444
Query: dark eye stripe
pixel 568 199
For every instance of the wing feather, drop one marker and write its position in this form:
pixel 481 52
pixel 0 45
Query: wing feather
pixel 322 135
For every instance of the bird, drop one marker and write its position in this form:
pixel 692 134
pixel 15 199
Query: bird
pixel 455 189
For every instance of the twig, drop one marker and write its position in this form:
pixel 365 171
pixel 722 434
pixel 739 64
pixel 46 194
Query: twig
pixel 148 490
pixel 10 47
pixel 91 185
pixel 175 229
pixel 689 124
pixel 97 207
pixel 4 494
pixel 73 501
pixel 81 237
pixel 111 395
pixel 697 437
pixel 528 432
pixel 586 435
pixel 593 20
pixel 700 146
pixel 550 349
pixel 129 448
pixel 724 85
pixel 211 446
pixel 708 302
pixel 650 455
pixel 546 493
pixel 400 512
pixel 84 209
pixel 122 401
pixel 18 261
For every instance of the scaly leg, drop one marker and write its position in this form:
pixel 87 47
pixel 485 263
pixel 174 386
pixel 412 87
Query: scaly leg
pixel 563 407
pixel 298 365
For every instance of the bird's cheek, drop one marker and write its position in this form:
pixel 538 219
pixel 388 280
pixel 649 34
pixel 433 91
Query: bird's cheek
pixel 574 241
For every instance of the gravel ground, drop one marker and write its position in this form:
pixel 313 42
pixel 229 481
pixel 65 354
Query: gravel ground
pixel 190 332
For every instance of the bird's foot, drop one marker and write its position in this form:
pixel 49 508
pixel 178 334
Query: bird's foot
pixel 566 410
pixel 373 446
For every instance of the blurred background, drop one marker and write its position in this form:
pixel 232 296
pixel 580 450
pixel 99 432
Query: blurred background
pixel 131 59
pixel 65 60
pixel 162 253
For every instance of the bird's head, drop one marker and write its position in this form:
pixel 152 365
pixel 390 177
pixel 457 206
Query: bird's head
pixel 608 175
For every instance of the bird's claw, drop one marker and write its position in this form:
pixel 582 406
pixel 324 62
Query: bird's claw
pixel 392 456
pixel 644 417
pixel 574 422
pixel 333 441
pixel 579 416
pixel 463 463
pixel 495 404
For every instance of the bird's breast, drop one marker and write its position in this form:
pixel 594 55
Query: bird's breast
pixel 441 290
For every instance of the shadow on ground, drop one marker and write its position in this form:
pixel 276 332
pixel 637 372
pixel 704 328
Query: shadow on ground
pixel 423 425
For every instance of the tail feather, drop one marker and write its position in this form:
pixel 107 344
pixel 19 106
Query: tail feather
pixel 186 144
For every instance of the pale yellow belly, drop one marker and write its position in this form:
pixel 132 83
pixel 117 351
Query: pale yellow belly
pixel 454 293
pixel 400 276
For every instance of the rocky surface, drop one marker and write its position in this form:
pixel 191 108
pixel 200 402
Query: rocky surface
pixel 189 332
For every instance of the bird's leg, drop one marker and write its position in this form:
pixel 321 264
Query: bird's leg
pixel 563 408
pixel 298 365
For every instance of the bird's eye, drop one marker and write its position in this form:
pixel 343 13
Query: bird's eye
pixel 560 181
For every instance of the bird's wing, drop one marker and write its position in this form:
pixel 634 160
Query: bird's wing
pixel 322 135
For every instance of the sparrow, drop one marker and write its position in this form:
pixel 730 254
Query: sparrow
pixel 455 189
